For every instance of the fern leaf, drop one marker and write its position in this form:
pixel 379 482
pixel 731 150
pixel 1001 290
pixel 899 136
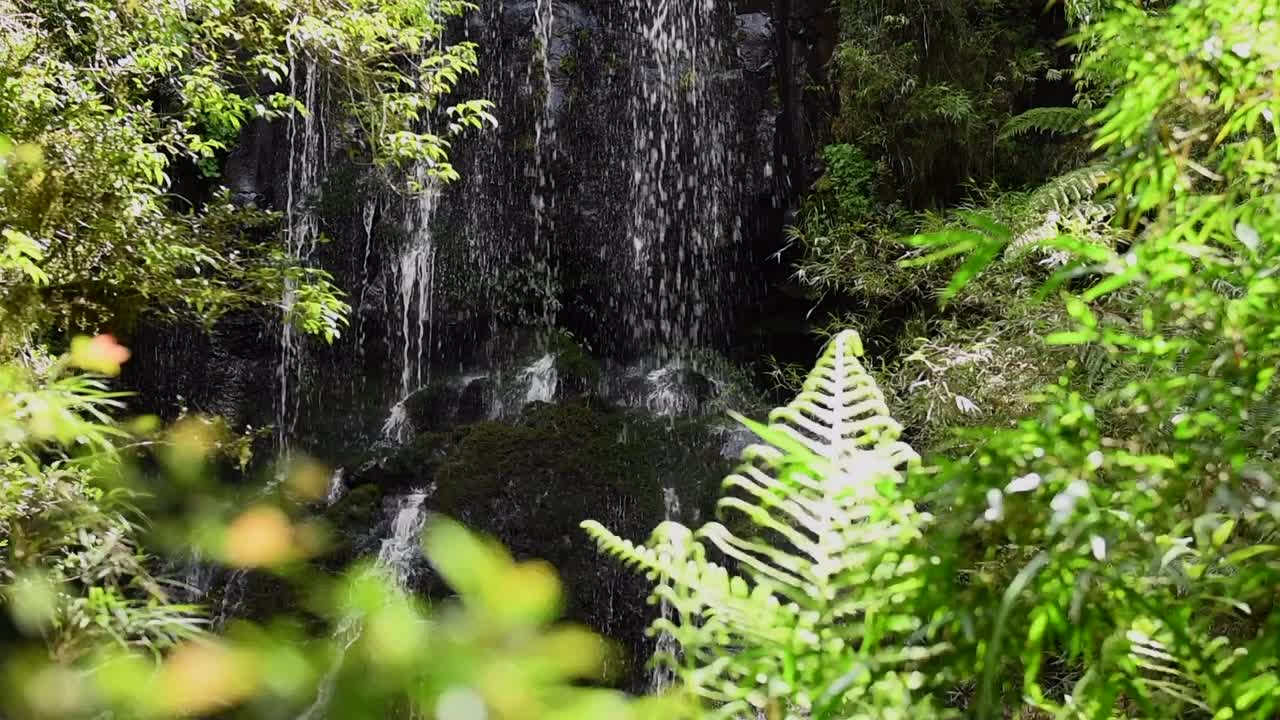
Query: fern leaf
pixel 818 546
pixel 1060 120
pixel 1071 189
pixel 1068 196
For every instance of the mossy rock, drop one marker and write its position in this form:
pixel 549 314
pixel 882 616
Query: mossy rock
pixel 357 508
pixel 583 449
pixel 578 371
pixel 531 483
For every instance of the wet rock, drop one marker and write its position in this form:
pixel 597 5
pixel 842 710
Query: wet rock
pixel 450 402
pixel 665 391
pixel 756 41
pixel 735 440
pixel 475 402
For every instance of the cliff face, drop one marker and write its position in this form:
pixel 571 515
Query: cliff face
pixel 646 159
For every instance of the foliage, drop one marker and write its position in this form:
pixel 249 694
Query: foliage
pixel 925 88
pixel 938 97
pixel 849 176
pixel 815 617
pixel 1124 564
pixel 115 119
pixel 110 107
pixel 72 567
pixel 1067 119
pixel 97 632
pixel 494 651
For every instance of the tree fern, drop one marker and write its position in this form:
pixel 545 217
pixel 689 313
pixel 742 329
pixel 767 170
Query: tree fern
pixel 1061 120
pixel 811 613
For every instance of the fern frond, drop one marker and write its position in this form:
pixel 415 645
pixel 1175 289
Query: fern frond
pixel 1067 199
pixel 1070 189
pixel 821 569
pixel 1061 120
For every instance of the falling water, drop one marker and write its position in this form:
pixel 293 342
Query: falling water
pixel 662 677
pixel 396 557
pixel 401 549
pixel 541 379
pixel 682 194
pixel 415 282
pixel 368 212
pixel 544 153
pixel 397 428
pixel 337 486
pixel 666 396
pixel 302 228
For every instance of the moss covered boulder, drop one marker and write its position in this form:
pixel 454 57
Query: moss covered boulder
pixel 532 480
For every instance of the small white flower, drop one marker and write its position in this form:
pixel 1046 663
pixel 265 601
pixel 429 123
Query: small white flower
pixel 1064 503
pixel 995 506
pixel 1095 459
pixel 1247 236
pixel 965 405
pixel 1242 49
pixel 1099 547
pixel 1026 483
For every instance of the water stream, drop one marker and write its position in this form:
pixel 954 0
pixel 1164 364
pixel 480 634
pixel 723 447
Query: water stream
pixel 662 677
pixel 398 556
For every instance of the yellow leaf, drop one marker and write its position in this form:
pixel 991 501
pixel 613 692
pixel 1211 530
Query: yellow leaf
pixel 259 537
pixel 308 479
pixel 100 354
pixel 200 677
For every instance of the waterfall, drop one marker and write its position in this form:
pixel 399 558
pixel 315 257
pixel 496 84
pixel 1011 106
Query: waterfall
pixel 401 549
pixel 397 428
pixel 396 557
pixel 682 192
pixel 368 212
pixel 544 153
pixel 541 380
pixel 415 281
pixel 302 229
pixel 667 397
pixel 337 486
pixel 605 205
pixel 661 677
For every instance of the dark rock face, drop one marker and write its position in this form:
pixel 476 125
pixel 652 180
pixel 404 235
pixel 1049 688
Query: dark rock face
pixel 539 228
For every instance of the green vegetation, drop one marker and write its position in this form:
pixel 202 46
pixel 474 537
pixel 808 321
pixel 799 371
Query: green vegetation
pixel 813 616
pixel 107 107
pixel 1061 257
pixel 1099 535
pixel 115 121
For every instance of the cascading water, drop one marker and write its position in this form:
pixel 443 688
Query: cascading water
pixel 683 196
pixel 368 213
pixel 337 486
pixel 544 155
pixel 415 282
pixel 606 205
pixel 541 379
pixel 662 677
pixel 397 428
pixel 400 550
pixel 396 557
pixel 302 229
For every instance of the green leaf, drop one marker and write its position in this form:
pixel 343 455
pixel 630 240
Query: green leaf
pixel 1223 532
